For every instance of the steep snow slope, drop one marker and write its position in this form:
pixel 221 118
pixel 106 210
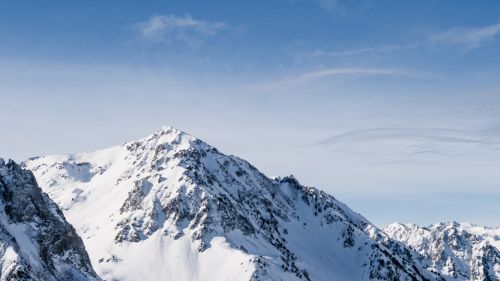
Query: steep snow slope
pixel 171 207
pixel 36 242
pixel 461 251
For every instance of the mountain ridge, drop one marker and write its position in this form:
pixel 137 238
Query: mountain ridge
pixel 460 250
pixel 183 205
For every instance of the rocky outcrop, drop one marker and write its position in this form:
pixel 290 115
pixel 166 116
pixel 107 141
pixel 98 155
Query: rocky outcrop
pixel 176 193
pixel 36 242
pixel 458 251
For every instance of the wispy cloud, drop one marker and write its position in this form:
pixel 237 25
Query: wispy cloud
pixel 344 7
pixel 360 51
pixel 173 28
pixel 329 5
pixel 321 75
pixel 431 134
pixel 329 72
pixel 414 145
pixel 469 37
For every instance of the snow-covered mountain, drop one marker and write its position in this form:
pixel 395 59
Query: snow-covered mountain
pixel 36 242
pixel 460 251
pixel 171 207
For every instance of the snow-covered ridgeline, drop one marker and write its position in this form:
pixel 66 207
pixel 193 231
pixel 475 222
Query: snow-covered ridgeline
pixel 171 207
pixel 459 251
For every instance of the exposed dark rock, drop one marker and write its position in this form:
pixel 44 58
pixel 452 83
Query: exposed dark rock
pixel 36 242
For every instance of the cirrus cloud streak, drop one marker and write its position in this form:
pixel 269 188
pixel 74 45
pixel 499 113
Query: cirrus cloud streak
pixel 469 37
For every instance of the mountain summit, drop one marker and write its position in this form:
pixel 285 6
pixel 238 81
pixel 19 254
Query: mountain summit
pixel 172 207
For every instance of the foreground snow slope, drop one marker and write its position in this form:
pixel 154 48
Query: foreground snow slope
pixel 36 242
pixel 460 251
pixel 171 207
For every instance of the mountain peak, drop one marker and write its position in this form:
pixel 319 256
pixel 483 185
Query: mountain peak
pixel 167 133
pixel 169 138
pixel 174 199
pixel 169 130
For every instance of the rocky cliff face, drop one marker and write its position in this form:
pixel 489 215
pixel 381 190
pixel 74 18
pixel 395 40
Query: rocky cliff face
pixel 36 242
pixel 172 207
pixel 458 251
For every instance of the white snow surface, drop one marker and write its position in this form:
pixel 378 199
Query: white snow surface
pixel 171 207
pixel 462 251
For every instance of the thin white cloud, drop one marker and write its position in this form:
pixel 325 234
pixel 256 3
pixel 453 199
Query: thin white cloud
pixel 488 136
pixel 343 7
pixel 339 7
pixel 329 5
pixel 329 74
pixel 417 145
pixel 352 71
pixel 173 28
pixel 469 37
pixel 360 51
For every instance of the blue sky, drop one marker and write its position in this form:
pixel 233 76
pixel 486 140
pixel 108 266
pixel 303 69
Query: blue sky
pixel 397 101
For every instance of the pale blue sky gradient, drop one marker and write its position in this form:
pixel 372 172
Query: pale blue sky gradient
pixel 397 101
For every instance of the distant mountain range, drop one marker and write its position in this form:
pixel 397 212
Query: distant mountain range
pixel 459 251
pixel 172 207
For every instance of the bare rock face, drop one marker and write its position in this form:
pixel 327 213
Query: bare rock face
pixel 36 242
pixel 170 198
pixel 458 251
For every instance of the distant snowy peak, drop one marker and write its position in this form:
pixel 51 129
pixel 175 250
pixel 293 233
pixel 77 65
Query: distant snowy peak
pixel 36 242
pixel 461 251
pixel 172 207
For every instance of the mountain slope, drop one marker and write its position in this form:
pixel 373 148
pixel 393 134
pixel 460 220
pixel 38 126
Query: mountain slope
pixel 461 251
pixel 171 207
pixel 36 242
